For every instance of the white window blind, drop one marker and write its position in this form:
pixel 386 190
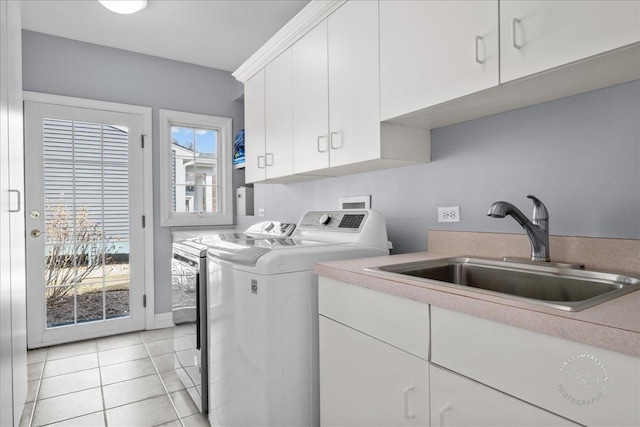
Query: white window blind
pixel 86 166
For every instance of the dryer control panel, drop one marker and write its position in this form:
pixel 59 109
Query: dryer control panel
pixel 349 221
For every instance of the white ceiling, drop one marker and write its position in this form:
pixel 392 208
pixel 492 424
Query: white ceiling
pixel 215 33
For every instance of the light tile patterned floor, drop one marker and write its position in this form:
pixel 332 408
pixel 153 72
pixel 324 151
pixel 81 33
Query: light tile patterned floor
pixel 123 380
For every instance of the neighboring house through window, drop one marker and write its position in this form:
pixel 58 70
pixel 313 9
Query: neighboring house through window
pixel 196 167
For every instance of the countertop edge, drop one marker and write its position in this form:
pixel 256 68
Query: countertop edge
pixel 579 330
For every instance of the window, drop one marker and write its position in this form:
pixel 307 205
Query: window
pixel 195 169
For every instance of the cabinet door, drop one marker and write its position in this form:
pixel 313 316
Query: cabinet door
pixel 365 382
pixel 435 51
pixel 254 124
pixel 539 35
pixel 279 116
pixel 311 101
pixel 459 401
pixel 354 93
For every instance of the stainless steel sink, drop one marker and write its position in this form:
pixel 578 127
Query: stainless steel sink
pixel 547 284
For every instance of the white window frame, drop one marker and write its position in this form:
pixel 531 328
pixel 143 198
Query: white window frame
pixel 223 126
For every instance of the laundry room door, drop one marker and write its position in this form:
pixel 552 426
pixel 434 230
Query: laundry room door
pixel 84 211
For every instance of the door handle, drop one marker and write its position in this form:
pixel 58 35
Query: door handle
pixel 332 138
pixel 17 209
pixel 408 414
pixel 441 412
pixel 198 326
pixel 267 157
pixel 318 144
pixel 514 30
pixel 479 39
pixel 260 163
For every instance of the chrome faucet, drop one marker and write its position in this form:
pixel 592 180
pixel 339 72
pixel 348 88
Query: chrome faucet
pixel 537 230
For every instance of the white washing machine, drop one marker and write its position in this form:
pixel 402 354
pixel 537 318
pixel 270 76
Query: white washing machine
pixel 189 301
pixel 263 317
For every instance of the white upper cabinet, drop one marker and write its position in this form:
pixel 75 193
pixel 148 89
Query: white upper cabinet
pixel 254 124
pixel 360 76
pixel 311 101
pixel 269 121
pixel 435 51
pixel 279 116
pixel 322 106
pixel 354 90
pixel 540 35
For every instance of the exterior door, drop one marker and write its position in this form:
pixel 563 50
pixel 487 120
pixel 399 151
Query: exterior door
pixel 84 207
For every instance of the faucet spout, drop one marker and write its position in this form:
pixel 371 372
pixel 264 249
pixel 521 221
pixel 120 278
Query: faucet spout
pixel 537 230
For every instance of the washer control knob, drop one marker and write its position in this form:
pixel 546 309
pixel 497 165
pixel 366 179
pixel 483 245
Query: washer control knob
pixel 269 226
pixel 325 219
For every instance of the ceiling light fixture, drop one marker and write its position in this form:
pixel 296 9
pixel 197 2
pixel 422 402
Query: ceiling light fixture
pixel 124 7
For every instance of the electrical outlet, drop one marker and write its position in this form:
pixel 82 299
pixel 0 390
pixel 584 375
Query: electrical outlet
pixel 449 214
pixel 260 212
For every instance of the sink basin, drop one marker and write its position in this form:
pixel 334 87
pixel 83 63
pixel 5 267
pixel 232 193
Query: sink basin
pixel 545 284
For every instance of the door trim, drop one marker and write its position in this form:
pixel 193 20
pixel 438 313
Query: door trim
pixel 146 114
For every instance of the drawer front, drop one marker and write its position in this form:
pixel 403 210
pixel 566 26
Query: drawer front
pixel 589 385
pixel 397 321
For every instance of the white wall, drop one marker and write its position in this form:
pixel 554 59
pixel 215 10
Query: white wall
pixel 579 155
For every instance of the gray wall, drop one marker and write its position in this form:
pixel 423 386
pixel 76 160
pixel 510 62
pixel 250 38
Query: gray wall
pixel 65 67
pixel 580 155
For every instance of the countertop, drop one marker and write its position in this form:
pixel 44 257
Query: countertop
pixel 614 325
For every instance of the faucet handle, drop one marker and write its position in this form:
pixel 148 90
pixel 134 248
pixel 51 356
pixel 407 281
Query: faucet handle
pixel 540 212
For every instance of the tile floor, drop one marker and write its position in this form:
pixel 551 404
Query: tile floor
pixel 123 380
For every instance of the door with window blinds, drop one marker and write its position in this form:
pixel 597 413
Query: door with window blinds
pixel 84 218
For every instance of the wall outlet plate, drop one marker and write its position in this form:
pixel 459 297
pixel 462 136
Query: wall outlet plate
pixel 449 214
pixel 260 212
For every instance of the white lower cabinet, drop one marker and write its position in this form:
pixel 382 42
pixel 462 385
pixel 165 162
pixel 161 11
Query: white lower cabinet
pixel 367 382
pixel 459 401
pixel 586 384
pixel 373 357
pixel 388 360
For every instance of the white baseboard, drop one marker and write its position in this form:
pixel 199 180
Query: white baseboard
pixel 163 320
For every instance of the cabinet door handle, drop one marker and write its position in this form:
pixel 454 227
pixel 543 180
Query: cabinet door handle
pixel 479 39
pixel 318 144
pixel 267 157
pixel 407 412
pixel 260 164
pixel 333 138
pixel 441 412
pixel 19 206
pixel 514 33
